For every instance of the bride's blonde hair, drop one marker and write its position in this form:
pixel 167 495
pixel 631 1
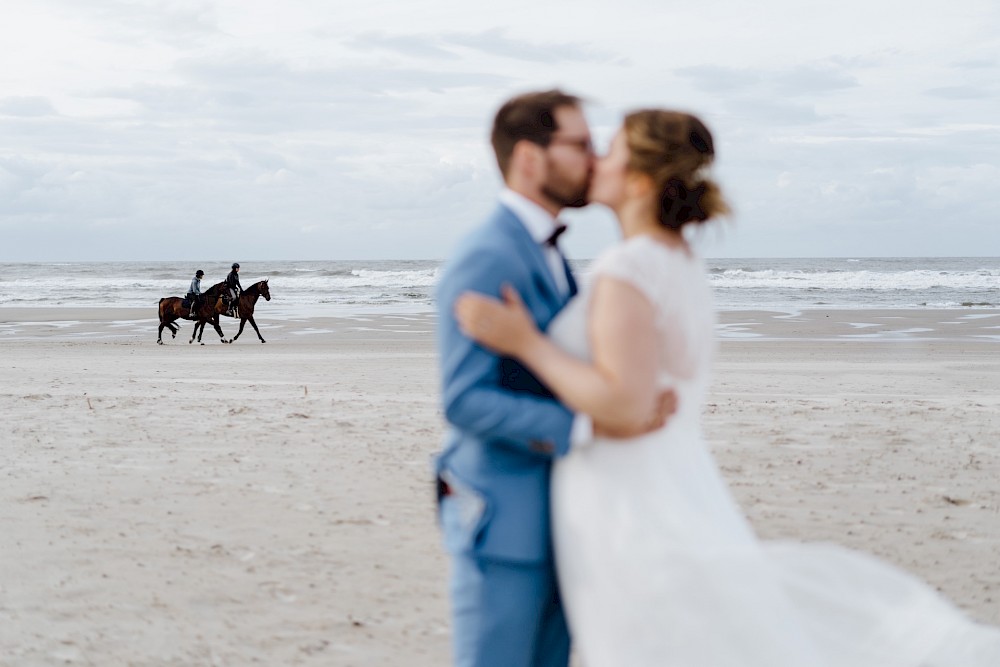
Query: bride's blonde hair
pixel 675 150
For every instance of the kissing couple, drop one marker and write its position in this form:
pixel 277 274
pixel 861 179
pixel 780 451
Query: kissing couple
pixel 577 496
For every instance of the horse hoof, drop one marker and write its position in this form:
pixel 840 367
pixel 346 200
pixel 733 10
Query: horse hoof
pixel 202 343
pixel 159 342
pixel 262 340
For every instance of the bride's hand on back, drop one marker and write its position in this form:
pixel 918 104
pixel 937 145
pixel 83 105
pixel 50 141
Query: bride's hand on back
pixel 503 326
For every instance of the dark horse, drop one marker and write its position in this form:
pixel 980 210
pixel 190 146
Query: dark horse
pixel 245 305
pixel 172 308
pixel 211 293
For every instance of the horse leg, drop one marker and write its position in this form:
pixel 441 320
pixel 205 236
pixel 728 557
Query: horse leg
pixel 168 323
pixel 243 323
pixel 159 313
pixel 254 325
pixel 218 329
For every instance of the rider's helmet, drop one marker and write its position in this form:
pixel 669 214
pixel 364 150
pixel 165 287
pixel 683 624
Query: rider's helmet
pixel 236 265
pixel 199 273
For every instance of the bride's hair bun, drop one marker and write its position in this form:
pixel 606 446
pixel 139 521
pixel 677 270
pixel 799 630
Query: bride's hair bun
pixel 675 149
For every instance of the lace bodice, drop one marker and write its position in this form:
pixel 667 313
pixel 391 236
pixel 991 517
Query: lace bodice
pixel 675 283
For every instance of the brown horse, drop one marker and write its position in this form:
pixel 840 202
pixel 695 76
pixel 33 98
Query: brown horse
pixel 245 305
pixel 211 293
pixel 172 308
pixel 207 296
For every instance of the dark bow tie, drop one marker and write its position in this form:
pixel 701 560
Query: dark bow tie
pixel 554 236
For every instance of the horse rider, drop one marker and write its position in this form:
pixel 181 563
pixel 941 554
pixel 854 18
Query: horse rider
pixel 235 289
pixel 194 292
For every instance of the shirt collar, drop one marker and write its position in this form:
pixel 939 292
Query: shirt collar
pixel 535 219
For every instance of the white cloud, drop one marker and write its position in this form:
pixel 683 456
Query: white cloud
pixel 309 129
pixel 26 106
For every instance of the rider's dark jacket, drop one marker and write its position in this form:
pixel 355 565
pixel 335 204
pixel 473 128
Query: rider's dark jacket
pixel 233 281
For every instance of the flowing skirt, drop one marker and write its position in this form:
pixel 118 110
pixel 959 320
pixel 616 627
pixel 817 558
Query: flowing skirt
pixel 658 567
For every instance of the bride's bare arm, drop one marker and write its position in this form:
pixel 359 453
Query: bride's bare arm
pixel 618 390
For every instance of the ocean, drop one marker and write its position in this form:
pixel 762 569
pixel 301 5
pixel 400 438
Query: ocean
pixel 355 287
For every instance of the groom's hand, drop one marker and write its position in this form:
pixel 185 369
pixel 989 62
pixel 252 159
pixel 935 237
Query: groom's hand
pixel 666 406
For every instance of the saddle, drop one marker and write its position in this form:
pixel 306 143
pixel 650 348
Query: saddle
pixel 234 307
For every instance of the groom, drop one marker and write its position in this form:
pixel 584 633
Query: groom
pixel 506 427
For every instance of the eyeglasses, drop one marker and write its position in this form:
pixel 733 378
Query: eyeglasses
pixel 585 144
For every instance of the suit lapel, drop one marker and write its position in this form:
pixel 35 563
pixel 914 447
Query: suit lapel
pixel 569 277
pixel 533 253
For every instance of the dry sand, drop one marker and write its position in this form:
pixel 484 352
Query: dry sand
pixel 271 504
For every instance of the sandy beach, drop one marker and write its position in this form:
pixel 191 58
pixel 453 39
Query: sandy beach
pixel 272 504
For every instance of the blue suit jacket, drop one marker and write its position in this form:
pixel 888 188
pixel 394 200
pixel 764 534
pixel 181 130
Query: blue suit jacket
pixel 506 426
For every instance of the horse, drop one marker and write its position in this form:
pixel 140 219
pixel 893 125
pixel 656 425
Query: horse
pixel 172 308
pixel 245 304
pixel 207 296
pixel 211 293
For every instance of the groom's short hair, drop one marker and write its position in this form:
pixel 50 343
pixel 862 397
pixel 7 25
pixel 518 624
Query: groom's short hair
pixel 528 117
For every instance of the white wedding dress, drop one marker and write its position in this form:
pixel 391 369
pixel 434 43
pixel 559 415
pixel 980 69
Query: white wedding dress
pixel 657 564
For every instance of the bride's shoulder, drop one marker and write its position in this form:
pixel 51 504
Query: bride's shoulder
pixel 641 252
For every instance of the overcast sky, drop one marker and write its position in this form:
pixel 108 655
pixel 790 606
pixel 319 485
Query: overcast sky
pixel 319 129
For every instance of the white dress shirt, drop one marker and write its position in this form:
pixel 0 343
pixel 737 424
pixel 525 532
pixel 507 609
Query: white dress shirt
pixel 540 225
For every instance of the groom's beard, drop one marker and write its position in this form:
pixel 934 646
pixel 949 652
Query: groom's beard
pixel 564 191
pixel 564 199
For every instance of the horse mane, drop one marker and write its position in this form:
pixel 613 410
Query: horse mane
pixel 218 287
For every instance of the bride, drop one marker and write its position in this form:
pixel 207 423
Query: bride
pixel 656 562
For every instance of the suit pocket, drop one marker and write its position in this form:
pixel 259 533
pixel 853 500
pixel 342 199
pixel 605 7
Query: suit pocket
pixel 464 515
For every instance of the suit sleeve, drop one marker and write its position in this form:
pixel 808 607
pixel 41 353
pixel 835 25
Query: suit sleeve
pixel 474 399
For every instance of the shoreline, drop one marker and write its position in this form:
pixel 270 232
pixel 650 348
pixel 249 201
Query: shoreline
pixel 827 325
